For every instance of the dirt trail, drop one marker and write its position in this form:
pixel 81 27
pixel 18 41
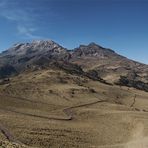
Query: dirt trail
pixel 67 111
pixel 138 140
pixel 134 101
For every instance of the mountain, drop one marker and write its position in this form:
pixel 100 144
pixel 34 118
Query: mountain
pixel 111 66
pixel 28 53
pixel 86 97
pixel 91 60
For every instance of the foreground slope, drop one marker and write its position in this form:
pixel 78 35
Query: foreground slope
pixel 65 110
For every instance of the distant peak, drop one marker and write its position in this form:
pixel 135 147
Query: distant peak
pixel 35 42
pixel 42 41
pixel 93 44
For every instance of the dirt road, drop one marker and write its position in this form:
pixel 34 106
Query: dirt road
pixel 67 111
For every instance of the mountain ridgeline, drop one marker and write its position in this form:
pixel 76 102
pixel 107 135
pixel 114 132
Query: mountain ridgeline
pixel 92 61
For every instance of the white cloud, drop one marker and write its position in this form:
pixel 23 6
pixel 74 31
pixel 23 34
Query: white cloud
pixel 16 15
pixel 11 11
pixel 28 32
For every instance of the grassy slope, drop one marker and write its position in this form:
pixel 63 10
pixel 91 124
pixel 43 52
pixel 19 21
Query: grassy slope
pixel 118 122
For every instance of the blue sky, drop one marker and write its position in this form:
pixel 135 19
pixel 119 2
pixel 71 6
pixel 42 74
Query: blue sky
pixel 118 24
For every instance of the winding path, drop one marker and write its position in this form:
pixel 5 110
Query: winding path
pixel 67 111
pixel 69 116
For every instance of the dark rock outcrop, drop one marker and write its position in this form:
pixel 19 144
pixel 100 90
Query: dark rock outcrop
pixel 7 71
pixel 125 81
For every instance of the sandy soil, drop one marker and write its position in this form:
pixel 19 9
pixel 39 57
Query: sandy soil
pixel 40 110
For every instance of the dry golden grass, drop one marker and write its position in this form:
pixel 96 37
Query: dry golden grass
pixel 32 104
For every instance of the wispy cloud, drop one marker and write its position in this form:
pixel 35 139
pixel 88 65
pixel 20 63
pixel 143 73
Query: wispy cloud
pixel 15 15
pixel 28 32
pixel 23 17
